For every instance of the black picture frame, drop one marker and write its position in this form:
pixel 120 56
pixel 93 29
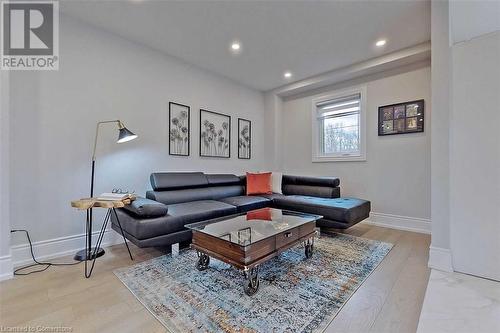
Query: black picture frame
pixel 208 135
pixel 184 148
pixel 401 118
pixel 243 152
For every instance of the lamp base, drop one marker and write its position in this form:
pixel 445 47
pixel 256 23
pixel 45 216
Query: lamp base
pixel 84 255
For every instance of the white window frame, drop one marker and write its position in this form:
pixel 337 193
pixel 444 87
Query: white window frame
pixel 361 156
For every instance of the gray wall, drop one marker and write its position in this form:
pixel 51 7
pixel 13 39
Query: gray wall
pixel 273 127
pixel 465 138
pixel 5 260
pixel 396 173
pixel 104 77
pixel 475 157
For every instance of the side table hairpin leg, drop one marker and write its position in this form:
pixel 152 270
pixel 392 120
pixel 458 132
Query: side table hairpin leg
pixel 88 272
pixel 107 217
pixel 123 235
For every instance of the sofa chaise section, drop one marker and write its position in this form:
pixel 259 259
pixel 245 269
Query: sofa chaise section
pixel 321 196
pixel 339 213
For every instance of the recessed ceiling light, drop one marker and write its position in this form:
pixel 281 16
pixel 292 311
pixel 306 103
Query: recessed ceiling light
pixel 381 42
pixel 287 75
pixel 235 46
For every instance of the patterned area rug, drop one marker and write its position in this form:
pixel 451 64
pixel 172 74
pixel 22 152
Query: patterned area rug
pixel 295 295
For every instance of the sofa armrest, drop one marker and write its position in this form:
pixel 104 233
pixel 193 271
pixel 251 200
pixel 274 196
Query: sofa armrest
pixel 142 207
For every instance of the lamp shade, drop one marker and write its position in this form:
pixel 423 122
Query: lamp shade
pixel 125 135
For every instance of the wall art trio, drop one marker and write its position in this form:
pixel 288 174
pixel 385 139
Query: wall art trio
pixel 215 133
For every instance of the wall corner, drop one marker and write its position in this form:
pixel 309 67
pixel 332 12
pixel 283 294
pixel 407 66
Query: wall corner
pixel 440 259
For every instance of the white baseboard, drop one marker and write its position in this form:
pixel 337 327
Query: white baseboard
pixel 440 259
pixel 59 247
pixel 405 223
pixel 5 267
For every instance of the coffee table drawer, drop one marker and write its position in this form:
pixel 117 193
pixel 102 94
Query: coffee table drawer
pixel 287 237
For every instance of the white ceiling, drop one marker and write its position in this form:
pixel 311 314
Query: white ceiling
pixel 305 37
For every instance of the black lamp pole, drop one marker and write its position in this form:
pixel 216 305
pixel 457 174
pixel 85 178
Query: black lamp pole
pixel 124 135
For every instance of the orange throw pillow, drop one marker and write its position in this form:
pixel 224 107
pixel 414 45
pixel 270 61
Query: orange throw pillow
pixel 259 183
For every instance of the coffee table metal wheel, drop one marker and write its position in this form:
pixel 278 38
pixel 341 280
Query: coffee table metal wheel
pixel 203 261
pixel 309 248
pixel 252 283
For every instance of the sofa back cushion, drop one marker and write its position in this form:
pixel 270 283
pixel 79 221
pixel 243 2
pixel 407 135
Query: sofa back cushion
pixel 220 192
pixel 313 191
pixel 177 187
pixel 167 181
pixel 311 181
pixel 225 185
pixel 223 180
pixel 178 196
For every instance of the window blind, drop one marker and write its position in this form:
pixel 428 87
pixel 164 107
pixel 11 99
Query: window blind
pixel 339 107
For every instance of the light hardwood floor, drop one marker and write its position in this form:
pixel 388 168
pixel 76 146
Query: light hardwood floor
pixel 390 300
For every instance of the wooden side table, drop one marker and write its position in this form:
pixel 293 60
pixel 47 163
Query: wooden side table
pixel 90 203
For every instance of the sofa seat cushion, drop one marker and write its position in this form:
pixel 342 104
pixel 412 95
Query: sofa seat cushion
pixel 273 196
pixel 345 210
pixel 178 216
pixel 244 203
pixel 195 211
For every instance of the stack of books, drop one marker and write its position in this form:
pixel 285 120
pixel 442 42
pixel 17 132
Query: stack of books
pixel 114 196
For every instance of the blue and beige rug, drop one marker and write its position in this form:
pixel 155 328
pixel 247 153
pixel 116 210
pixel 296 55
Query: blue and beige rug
pixel 295 295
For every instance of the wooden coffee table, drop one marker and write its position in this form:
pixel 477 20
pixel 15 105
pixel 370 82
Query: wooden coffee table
pixel 247 240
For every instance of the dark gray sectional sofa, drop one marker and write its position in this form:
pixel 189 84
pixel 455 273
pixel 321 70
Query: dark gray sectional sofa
pixel 177 199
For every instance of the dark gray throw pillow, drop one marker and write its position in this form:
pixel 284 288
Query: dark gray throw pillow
pixel 143 207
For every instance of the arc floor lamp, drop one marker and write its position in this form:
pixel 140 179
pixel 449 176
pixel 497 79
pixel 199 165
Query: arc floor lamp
pixel 124 135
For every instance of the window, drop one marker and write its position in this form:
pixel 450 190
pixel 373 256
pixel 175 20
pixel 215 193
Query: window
pixel 338 127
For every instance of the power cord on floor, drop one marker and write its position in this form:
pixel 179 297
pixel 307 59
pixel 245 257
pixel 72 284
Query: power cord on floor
pixel 37 263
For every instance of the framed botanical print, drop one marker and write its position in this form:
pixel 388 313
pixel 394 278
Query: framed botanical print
pixel 244 138
pixel 178 129
pixel 401 118
pixel 215 134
